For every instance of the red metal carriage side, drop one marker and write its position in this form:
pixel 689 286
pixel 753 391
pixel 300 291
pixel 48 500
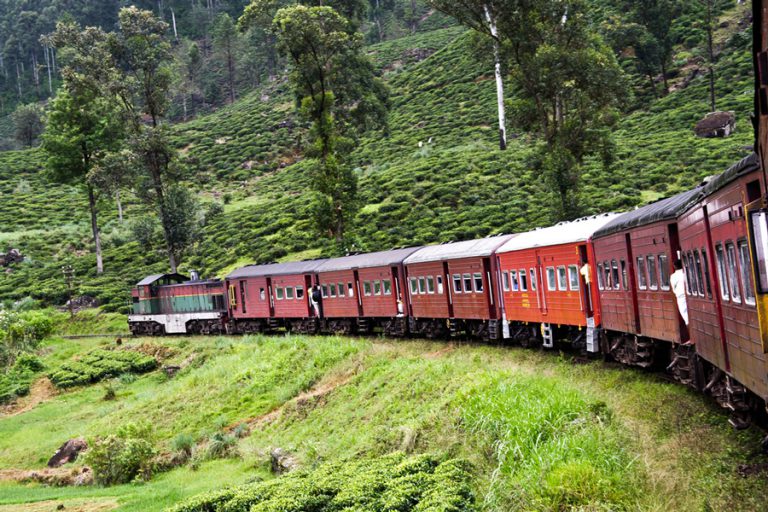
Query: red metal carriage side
pixel 451 288
pixel 263 297
pixel 720 288
pixel 543 286
pixel 365 292
pixel 635 254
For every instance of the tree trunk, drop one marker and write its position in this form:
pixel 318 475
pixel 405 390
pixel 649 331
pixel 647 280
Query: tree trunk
pixel 119 206
pixel 499 80
pixel 653 85
pixel 172 262
pixel 231 72
pixel 664 76
pixel 95 229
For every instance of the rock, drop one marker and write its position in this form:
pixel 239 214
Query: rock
pixel 85 477
pixel 282 461
pixel 716 124
pixel 80 303
pixel 68 452
pixel 11 257
pixel 171 370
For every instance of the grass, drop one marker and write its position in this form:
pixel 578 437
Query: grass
pixel 539 432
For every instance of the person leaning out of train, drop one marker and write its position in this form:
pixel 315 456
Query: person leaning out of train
pixel 314 299
pixel 677 282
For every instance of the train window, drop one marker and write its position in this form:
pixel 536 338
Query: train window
pixel 733 274
pixel 721 275
pixel 607 275
pixel 664 271
pixel 377 287
pixel 477 277
pixel 707 277
pixel 299 292
pixel 430 284
pixel 600 276
pixel 288 292
pixel 759 228
pixel 325 291
pixel 699 273
pixel 551 285
pixel 262 294
pixel 690 274
pixel 467 283
pixel 350 290
pixel 457 283
pixel 514 281
pixel 368 292
pixel 615 275
pixel 624 280
pixel 573 277
pixel 279 293
pixel 242 294
pixel 505 280
pixel 653 274
pixel 641 282
pixel 746 277
pixel 440 284
pixel 523 280
pixel 332 287
pixel 386 286
pixel 562 278
pixel 414 286
pixel 532 274
pixel 422 285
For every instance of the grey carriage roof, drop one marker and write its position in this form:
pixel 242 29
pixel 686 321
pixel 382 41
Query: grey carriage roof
pixel 455 250
pixel 664 209
pixel 744 166
pixel 374 259
pixel 562 233
pixel 276 269
pixel 155 277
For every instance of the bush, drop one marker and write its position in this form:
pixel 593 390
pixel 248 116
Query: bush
pixel 100 364
pixel 183 443
pixel 21 332
pixel 122 457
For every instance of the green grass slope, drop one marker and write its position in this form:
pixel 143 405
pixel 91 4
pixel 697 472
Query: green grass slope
pixel 536 431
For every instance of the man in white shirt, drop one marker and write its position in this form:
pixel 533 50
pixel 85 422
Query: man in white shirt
pixel 677 281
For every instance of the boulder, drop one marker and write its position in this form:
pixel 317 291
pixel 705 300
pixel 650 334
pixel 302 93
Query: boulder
pixel 282 461
pixel 68 452
pixel 716 124
pixel 11 257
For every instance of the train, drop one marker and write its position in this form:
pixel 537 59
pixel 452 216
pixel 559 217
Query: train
pixel 600 284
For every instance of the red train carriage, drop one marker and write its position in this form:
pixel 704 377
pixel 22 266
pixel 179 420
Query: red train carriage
pixel 174 304
pixel 635 253
pixel 365 292
pixel 546 289
pixel 720 288
pixel 451 289
pixel 266 297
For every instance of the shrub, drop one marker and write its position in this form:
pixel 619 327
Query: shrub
pixel 21 332
pixel 122 457
pixel 183 443
pixel 100 364
pixel 221 445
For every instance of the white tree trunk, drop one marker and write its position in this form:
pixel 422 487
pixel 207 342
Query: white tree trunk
pixel 499 80
pixel 119 206
pixel 95 230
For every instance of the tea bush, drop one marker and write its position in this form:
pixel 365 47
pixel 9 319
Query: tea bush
pixel 101 364
pixel 122 457
pixel 16 381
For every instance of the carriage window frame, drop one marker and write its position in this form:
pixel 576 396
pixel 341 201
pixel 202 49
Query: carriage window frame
pixel 745 265
pixel 262 294
pixel 289 293
pixel 457 283
pixel 653 272
pixel 514 281
pixel 477 281
pixel 505 281
pixel 758 226
pixel 733 272
pixel 664 282
pixel 551 279
pixel 600 285
pixel 615 274
pixel 562 278
pixel 422 285
pixel 707 273
pixel 523 280
pixel 642 282
pixel 368 288
pixel 377 287
pixel 299 292
pixel 624 274
pixel 699 273
pixel 386 287
pixel 607 281
pixel 332 288
pixel 573 278
pixel 324 289
pixel 279 293
pixel 532 275
pixel 431 285
pixel 690 274
pixel 439 283
pixel 722 275
pixel 340 290
pixel 467 278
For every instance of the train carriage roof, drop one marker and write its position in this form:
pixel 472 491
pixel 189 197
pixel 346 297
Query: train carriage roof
pixel 374 259
pixel 455 250
pixel 574 231
pixel 664 209
pixel 277 269
pixel 156 277
pixel 744 166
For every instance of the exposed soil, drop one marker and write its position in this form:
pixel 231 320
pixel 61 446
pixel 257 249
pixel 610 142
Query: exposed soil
pixel 41 391
pixel 57 477
pixel 78 505
pixel 440 353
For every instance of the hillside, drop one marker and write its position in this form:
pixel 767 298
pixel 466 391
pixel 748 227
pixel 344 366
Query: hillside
pixel 539 432
pixel 436 175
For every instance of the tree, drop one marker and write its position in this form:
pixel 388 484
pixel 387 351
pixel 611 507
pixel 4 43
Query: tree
pixel 184 212
pixel 657 16
pixel 481 15
pixel 28 123
pixel 708 22
pixel 82 127
pixel 339 94
pixel 569 87
pixel 226 43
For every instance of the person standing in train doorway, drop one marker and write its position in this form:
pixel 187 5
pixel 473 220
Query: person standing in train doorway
pixel 316 298
pixel 677 282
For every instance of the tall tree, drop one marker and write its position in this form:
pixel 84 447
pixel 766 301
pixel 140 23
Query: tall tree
pixel 657 17
pixel 482 15
pixel 82 127
pixel 338 92
pixel 28 123
pixel 226 44
pixel 569 87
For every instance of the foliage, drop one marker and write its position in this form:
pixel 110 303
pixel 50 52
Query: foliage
pixel 423 483
pixel 15 381
pixel 100 364
pixel 124 456
pixel 20 333
pixel 28 121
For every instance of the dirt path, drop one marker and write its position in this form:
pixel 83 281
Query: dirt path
pixel 49 476
pixel 76 505
pixel 41 391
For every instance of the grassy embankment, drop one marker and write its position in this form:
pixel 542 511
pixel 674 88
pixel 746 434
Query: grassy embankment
pixel 539 432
